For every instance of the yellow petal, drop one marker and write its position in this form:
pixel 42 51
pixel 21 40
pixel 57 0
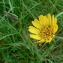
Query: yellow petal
pixel 54 21
pixel 54 24
pixel 37 37
pixel 49 18
pixel 52 17
pixel 47 22
pixel 36 23
pixel 55 28
pixel 50 39
pixel 43 20
pixel 42 40
pixel 33 30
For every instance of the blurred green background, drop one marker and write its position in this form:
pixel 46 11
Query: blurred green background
pixel 15 44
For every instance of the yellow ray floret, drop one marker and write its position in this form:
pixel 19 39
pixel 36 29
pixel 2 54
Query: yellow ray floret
pixel 33 30
pixel 44 29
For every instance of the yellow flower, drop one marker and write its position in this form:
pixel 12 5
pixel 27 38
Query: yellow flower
pixel 44 29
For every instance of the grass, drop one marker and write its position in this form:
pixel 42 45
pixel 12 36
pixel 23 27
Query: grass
pixel 15 44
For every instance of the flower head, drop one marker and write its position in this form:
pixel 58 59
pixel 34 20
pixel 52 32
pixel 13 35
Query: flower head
pixel 44 29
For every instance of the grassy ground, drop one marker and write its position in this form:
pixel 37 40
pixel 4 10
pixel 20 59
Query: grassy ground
pixel 15 44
